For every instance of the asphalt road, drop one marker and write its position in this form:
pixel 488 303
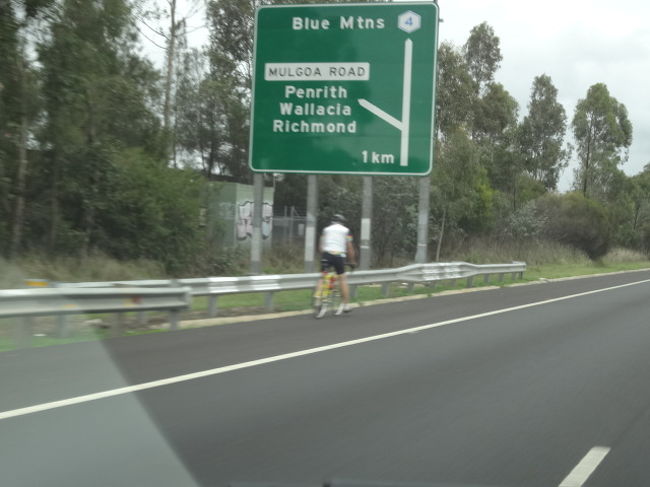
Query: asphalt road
pixel 538 385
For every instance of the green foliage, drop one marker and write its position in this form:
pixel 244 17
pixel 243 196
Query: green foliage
pixel 395 216
pixel 460 184
pixel 603 135
pixel 482 54
pixel 153 214
pixel 574 220
pixel 9 114
pixel 340 194
pixel 455 94
pixel 542 132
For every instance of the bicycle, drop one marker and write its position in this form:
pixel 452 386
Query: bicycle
pixel 329 296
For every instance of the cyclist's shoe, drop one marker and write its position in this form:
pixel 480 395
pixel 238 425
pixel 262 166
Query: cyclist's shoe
pixel 321 310
pixel 343 308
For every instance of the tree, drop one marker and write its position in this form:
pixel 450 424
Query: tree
pixel 19 111
pixel 603 135
pixel 9 113
pixel 201 125
pixel 495 131
pixel 496 113
pixel 461 195
pixel 542 134
pixel 395 217
pixel 172 39
pixel 96 92
pixel 455 96
pixel 482 55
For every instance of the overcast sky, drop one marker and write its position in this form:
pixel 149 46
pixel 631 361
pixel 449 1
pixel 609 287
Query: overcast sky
pixel 576 42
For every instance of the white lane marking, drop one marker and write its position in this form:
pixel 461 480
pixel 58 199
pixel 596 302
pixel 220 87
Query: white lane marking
pixel 244 365
pixel 579 475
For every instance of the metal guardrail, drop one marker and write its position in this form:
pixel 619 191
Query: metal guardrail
pixel 63 301
pixel 213 287
pixel 174 295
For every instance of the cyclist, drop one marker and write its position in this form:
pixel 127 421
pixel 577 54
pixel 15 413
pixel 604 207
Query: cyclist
pixel 335 244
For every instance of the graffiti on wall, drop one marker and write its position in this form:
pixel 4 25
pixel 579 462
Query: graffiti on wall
pixel 244 222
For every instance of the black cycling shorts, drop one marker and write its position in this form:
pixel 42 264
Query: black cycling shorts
pixel 330 260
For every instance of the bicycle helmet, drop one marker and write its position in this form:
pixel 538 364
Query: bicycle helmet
pixel 338 218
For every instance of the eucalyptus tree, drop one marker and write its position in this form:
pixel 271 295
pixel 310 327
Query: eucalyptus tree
pixel 603 135
pixel 542 134
pixel 462 198
pixel 20 109
pixel 495 131
pixel 455 94
pixel 482 55
pixel 97 91
pixel 9 112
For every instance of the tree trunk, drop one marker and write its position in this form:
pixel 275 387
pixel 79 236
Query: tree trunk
pixel 169 73
pixel 21 177
pixel 587 161
pixel 54 205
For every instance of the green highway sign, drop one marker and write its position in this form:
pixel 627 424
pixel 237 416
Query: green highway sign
pixel 346 88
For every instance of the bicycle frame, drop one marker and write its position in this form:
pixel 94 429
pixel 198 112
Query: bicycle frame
pixel 328 294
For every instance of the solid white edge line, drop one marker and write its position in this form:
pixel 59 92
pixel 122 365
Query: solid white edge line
pixel 230 368
pixel 589 463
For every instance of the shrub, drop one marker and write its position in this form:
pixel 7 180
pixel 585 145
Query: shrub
pixel 574 220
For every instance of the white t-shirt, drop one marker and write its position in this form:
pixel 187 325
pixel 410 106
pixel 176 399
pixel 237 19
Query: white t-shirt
pixel 335 239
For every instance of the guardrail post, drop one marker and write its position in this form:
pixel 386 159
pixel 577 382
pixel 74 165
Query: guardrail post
pixel 431 286
pixel 142 318
pixel 353 292
pixel 410 287
pixel 514 276
pixel 23 330
pixel 62 326
pixel 470 281
pixel 501 277
pixel 268 301
pixel 385 289
pixel 212 306
pixel 452 283
pixel 174 316
pixel 118 325
pixel 486 278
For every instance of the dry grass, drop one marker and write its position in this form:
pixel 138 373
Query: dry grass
pixel 69 269
pixel 532 252
pixel 620 255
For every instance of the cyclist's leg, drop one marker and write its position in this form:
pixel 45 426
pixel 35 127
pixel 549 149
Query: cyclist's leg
pixel 324 267
pixel 345 288
pixel 343 285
